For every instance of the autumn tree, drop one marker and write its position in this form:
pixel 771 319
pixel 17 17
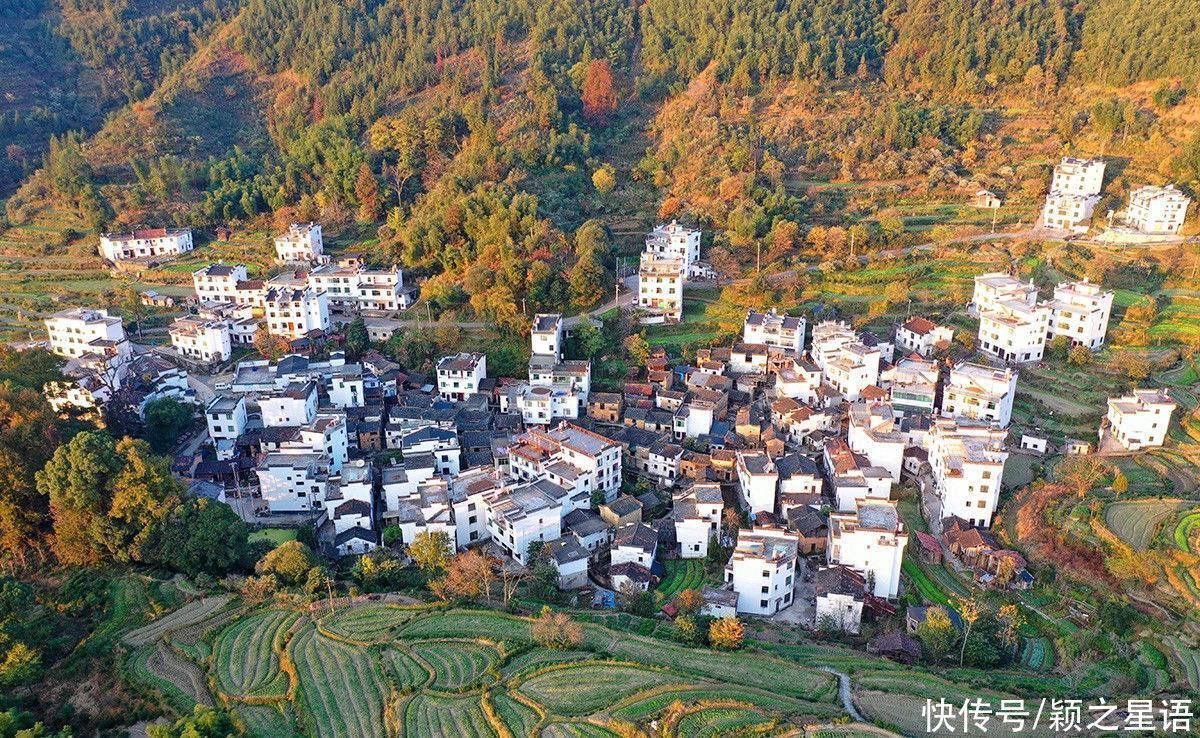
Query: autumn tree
pixel 556 629
pixel 431 551
pixel 637 349
pixel 969 611
pixel 290 562
pixel 690 601
pixel 269 345
pixel 936 632
pixel 366 190
pixel 1081 473
pixel 726 633
pixel 1120 483
pixel 604 179
pixel 469 575
pixel 29 433
pixel 599 95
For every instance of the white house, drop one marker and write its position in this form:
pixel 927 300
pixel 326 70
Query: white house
pixel 326 435
pixel 978 392
pixel 243 326
pixel 800 483
pixel 799 379
pixel 293 482
pixel 912 383
pixel 518 515
pixel 441 443
pixel 660 287
pixel 292 313
pixel 1078 176
pixel 295 404
pixel 757 481
pixel 853 477
pixel 967 460
pixel 459 375
pixel 219 282
pixel 1014 331
pixel 762 570
pixel 571 561
pixel 849 365
pixel 76 332
pixel 871 539
pixel 206 341
pixel 301 242
pixel 840 597
pixel 1080 311
pixel 1139 420
pixel 547 335
pixel 1074 192
pixel 634 543
pixel 1157 210
pixel 576 458
pixel 784 332
pixel 226 419
pixel 921 336
pixel 673 241
pixel 354 287
pixel 697 517
pixel 873 433
pixel 144 244
pixel 994 288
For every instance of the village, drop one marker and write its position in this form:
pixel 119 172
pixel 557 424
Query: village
pixel 777 461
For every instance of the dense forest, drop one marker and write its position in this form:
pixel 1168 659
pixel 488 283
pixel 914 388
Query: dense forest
pixel 484 138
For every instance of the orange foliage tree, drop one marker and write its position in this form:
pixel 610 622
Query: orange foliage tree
pixel 599 91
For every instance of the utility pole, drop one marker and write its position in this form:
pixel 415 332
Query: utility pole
pixel 758 257
pixel 851 243
pixel 995 214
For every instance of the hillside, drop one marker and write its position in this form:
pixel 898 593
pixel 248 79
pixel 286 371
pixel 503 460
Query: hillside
pixel 477 138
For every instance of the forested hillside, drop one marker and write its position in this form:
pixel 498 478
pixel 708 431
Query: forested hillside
pixel 497 147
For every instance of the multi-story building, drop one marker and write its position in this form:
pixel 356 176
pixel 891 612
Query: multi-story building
pixel 145 244
pixel 76 332
pixel 326 435
pixel 1014 331
pixel 226 419
pixel 777 331
pixel 520 514
pixel 921 336
pixel 1139 420
pixel 870 539
pixel 547 335
pixel 1080 311
pixel 243 326
pixel 353 287
pixel 580 460
pixel 1158 211
pixel 295 404
pixel 762 570
pixel 660 287
pixel 913 384
pixel 874 434
pixel 294 312
pixel 219 283
pixel 292 483
pixel 301 242
pixel 758 481
pixel 840 597
pixel 1074 192
pixel 967 460
pixel 852 476
pixel 205 341
pixel 697 516
pixel 440 443
pixel 978 392
pixel 849 365
pixel 673 241
pixel 994 288
pixel 459 375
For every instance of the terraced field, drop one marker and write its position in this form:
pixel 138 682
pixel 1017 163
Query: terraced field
pixel 681 574
pixel 1137 521
pixel 190 614
pixel 381 671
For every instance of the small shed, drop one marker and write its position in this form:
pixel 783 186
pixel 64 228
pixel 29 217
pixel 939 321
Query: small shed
pixel 1033 444
pixel 1076 447
pixel 930 551
pixel 987 199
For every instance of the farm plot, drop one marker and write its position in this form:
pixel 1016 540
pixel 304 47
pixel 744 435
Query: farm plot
pixel 191 639
pixel 518 717
pixel 247 655
pixel 1038 654
pixel 269 721
pixel 179 680
pixel 539 657
pixel 370 623
pixel 904 714
pixel 1189 659
pixel 341 688
pixel 1137 521
pixel 1183 531
pixel 457 665
pixel 189 614
pixel 642 708
pixel 717 721
pixel 408 672
pixel 466 624
pixel 576 730
pixel 581 690
pixel 446 716
pixel 681 574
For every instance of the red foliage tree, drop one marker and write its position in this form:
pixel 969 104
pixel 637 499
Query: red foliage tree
pixel 599 91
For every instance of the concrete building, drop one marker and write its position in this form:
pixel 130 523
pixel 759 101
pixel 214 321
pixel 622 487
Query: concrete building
pixel 77 332
pixel 660 288
pixel 849 365
pixel 771 329
pixel 697 515
pixel 635 543
pixel 295 404
pixel 578 459
pixel 355 288
pixel 547 336
pixel 967 461
pixel 1078 176
pixel 459 376
pixel 673 241
pixel 1074 191
pixel 762 570
pixel 921 336
pixel 852 477
pixel 994 288
pixel 978 392
pixel 292 483
pixel 874 434
pixel 1158 211
pixel 1080 311
pixel 204 341
pixel 870 539
pixel 1015 331
pixel 913 384
pixel 520 514
pixel 226 419
pixel 219 282
pixel 840 597
pixel 301 243
pixel 1139 420
pixel 758 481
pixel 145 244
pixel 293 313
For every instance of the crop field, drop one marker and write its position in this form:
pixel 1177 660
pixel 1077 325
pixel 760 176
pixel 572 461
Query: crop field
pixel 377 670
pixel 1187 525
pixel 1189 660
pixel 681 574
pixel 1137 521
